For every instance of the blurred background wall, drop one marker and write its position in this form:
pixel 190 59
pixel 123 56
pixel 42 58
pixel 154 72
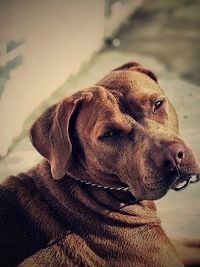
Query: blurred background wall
pixel 50 49
pixel 42 43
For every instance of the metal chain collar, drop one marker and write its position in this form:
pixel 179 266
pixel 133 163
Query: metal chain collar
pixel 191 179
pixel 124 189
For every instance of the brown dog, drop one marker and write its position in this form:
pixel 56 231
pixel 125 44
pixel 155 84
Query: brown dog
pixel 108 151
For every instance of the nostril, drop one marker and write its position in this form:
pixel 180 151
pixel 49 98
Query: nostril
pixel 181 155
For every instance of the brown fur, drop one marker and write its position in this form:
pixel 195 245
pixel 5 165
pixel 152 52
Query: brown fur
pixel 49 218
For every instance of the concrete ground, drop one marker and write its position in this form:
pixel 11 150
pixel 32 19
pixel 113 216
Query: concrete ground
pixel 161 43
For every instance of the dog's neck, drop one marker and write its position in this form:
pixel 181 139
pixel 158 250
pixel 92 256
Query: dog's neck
pixel 122 193
pixel 103 182
pixel 113 204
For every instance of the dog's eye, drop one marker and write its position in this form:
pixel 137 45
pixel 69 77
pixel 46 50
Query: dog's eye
pixel 158 104
pixel 110 134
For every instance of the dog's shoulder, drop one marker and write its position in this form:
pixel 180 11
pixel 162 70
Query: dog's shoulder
pixel 18 237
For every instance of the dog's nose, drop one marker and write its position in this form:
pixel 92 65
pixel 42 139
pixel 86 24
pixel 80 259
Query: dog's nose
pixel 169 155
pixel 173 155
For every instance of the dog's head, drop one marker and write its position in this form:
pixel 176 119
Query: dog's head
pixel 122 131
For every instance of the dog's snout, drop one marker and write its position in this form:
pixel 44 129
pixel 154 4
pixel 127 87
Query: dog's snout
pixel 173 155
pixel 168 155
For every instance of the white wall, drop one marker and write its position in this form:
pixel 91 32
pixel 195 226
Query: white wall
pixel 59 36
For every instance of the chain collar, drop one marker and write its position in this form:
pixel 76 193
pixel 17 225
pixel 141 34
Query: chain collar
pixel 191 179
pixel 123 188
pixel 129 197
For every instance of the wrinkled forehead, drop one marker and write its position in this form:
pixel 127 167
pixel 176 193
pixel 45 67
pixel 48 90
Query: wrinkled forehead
pixel 130 82
pixel 102 107
pixel 117 89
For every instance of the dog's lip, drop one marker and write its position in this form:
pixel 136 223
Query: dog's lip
pixel 183 181
pixel 179 181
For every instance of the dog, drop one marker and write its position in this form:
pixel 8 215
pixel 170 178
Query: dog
pixel 109 152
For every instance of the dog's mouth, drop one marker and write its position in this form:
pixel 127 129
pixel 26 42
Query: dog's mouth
pixel 184 181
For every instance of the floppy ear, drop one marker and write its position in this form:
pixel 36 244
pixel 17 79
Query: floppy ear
pixel 129 65
pixel 50 133
pixel 137 67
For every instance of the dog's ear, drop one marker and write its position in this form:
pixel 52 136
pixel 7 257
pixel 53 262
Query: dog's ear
pixel 137 67
pixel 128 66
pixel 50 133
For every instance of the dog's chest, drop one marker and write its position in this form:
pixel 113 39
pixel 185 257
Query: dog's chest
pixel 119 247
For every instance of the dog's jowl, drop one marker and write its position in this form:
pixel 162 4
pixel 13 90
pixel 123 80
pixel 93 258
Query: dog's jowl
pixel 109 151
